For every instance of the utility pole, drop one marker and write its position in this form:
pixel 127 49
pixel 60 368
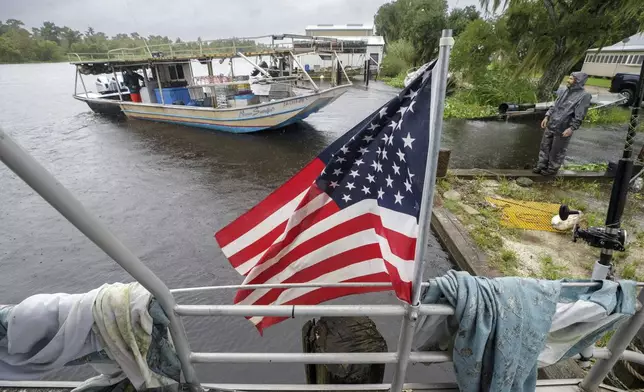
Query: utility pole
pixel 621 185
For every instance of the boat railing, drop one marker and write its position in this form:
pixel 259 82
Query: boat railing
pixel 26 167
pixel 221 48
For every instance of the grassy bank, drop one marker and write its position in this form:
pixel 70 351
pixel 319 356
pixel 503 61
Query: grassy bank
pixel 476 102
pixel 542 254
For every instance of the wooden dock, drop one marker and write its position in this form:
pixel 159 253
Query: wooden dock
pixel 513 173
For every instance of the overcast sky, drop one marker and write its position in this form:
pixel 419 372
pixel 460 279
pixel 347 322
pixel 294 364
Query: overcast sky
pixel 190 19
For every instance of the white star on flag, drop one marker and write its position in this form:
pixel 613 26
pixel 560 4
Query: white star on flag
pixel 401 155
pixel 334 184
pixel 363 150
pixel 350 185
pixel 337 172
pixel 346 198
pixel 411 94
pixel 390 181
pixel 368 138
pixel 344 149
pixel 380 193
pixel 359 162
pixel 399 198
pixel 340 159
pixel 408 141
pixel 396 168
pixel 366 190
pixel 383 112
pixel 373 127
pixel 371 178
pixel 354 173
pixel 407 185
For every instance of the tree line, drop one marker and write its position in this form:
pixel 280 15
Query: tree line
pixel 50 42
pixel 528 40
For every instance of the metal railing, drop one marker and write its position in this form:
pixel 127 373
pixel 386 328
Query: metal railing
pixel 37 177
pixel 189 49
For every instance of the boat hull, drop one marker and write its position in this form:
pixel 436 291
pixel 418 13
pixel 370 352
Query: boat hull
pixel 105 106
pixel 239 120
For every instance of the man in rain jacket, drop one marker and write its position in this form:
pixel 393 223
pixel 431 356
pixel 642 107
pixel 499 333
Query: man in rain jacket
pixel 562 119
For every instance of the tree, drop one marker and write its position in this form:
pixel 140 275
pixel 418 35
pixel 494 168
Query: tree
pixel 89 32
pixel 552 35
pixel 460 18
pixel 474 49
pixel 427 18
pixel 387 21
pixel 50 32
pixel 417 21
pixel 70 36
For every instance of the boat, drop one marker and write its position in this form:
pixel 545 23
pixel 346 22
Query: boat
pixel 271 96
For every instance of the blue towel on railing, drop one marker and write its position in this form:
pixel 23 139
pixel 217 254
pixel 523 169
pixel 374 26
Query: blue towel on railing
pixel 500 326
pixel 585 314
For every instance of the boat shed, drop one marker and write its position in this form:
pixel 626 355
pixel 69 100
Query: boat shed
pixel 354 44
pixel 625 56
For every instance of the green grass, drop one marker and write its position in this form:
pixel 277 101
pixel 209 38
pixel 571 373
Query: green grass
pixel 586 167
pixel 593 81
pixel 629 271
pixel 397 81
pixel 603 341
pixel 594 219
pixel 506 261
pixel 550 270
pixel 598 82
pixel 455 107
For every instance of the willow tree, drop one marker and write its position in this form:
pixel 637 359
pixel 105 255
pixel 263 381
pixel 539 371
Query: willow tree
pixel 553 35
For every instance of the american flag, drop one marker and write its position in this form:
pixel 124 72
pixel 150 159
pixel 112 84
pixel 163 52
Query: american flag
pixel 351 215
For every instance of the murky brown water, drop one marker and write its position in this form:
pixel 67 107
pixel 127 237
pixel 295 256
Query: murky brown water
pixel 164 190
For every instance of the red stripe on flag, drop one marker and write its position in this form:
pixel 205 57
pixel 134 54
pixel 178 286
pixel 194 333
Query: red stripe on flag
pixel 316 217
pixel 400 245
pixel 333 263
pixel 268 240
pixel 402 288
pixel 257 247
pixel 344 229
pixel 281 196
pixel 326 294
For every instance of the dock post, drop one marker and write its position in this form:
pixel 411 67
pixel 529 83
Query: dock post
pixel 367 70
pixel 443 162
pixel 338 73
pixel 437 106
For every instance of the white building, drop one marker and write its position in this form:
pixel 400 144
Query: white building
pixel 357 43
pixel 623 57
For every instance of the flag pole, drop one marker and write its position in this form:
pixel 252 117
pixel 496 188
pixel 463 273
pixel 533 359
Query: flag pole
pixel 437 106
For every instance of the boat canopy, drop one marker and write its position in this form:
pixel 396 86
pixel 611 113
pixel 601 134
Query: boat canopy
pixel 203 51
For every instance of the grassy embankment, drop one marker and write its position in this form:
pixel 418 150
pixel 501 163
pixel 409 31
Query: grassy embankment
pixel 476 101
pixel 543 254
